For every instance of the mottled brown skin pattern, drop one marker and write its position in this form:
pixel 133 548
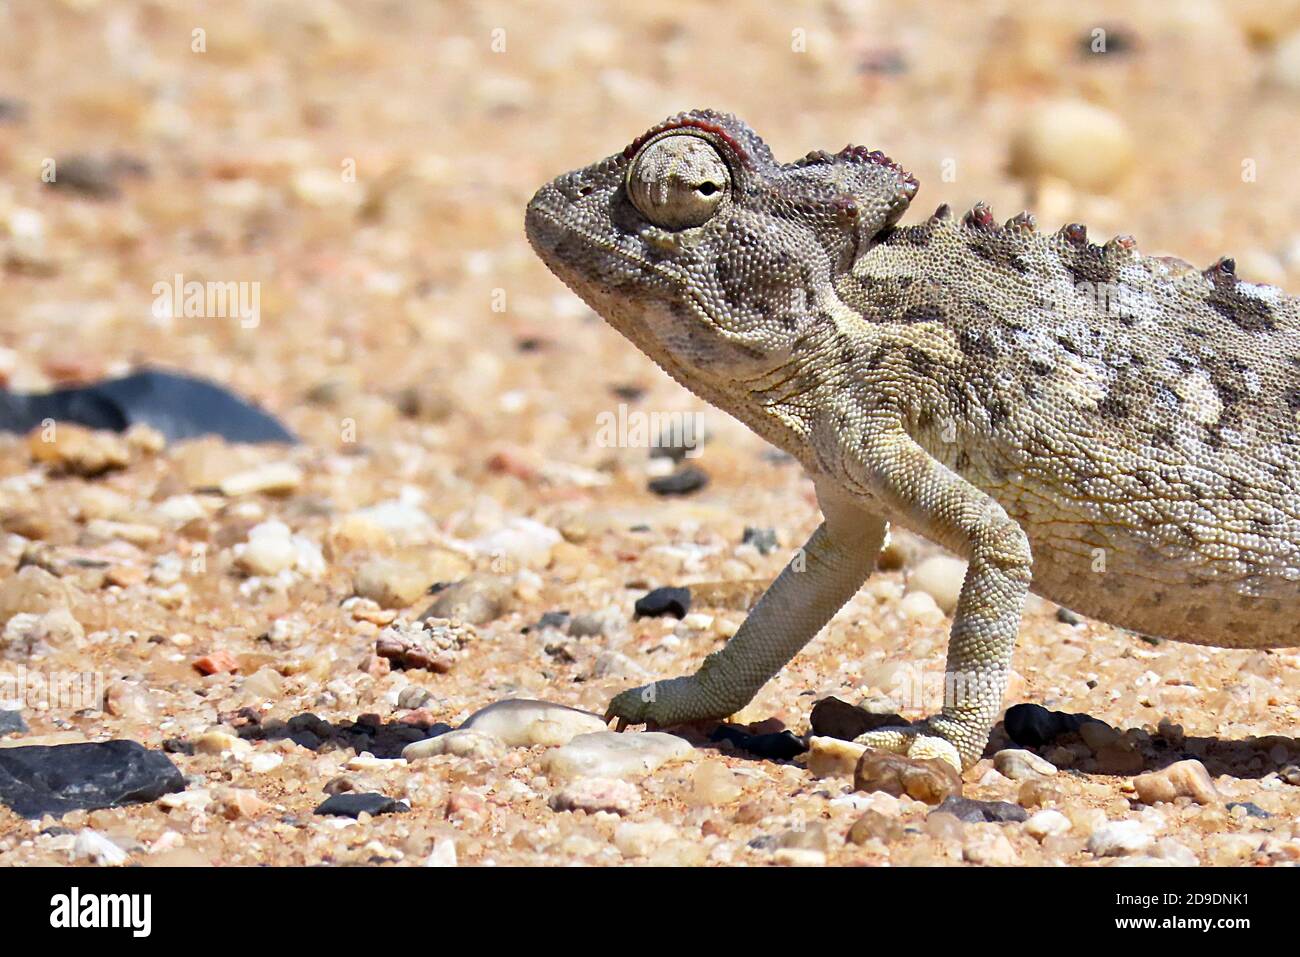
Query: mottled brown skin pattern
pixel 1138 418
pixel 1118 432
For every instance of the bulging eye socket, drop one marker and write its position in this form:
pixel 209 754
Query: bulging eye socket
pixel 678 181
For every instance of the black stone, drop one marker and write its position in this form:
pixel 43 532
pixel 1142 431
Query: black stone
pixel 781 746
pixel 1252 809
pixel 1032 725
pixel 310 722
pixel 554 619
pixel 178 406
pixel 764 539
pixel 629 393
pixel 95 176
pixel 12 111
pixel 12 721
pixel 1067 617
pixel 982 812
pixel 834 718
pixel 352 805
pixel 675 444
pixel 664 601
pixel 306 739
pixel 55 779
pixel 682 482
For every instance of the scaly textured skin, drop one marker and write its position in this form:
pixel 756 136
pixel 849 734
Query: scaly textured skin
pixel 1131 423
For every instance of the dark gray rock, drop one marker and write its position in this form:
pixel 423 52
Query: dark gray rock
pixel 350 804
pixel 55 779
pixel 1067 617
pixel 179 406
pixel 764 539
pixel 682 482
pixel 11 722
pixel 1032 725
pixel 664 601
pixel 977 812
pixel 778 746
pixel 833 718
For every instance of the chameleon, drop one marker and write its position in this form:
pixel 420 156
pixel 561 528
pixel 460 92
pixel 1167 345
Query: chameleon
pixel 1117 432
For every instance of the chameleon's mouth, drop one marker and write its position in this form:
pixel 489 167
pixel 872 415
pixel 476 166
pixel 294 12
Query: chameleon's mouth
pixel 565 246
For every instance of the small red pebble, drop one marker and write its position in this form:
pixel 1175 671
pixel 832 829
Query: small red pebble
pixel 377 667
pixel 713 827
pixel 510 462
pixel 420 718
pixel 466 804
pixel 216 663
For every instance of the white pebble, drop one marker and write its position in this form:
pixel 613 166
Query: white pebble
pixel 443 854
pixel 1083 144
pixel 1046 823
pixel 1020 765
pixel 613 755
pixel 940 577
pixel 641 838
pixel 93 846
pixel 1118 839
pixel 270 549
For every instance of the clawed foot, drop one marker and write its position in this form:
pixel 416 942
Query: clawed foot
pixel 665 703
pixel 917 742
pixel 631 707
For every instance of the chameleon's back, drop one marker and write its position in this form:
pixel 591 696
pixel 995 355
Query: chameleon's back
pixel 1139 417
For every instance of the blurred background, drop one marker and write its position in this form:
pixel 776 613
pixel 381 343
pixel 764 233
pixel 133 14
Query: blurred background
pixel 367 163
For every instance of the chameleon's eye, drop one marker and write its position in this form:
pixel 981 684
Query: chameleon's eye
pixel 678 181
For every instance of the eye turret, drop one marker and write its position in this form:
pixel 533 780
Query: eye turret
pixel 678 181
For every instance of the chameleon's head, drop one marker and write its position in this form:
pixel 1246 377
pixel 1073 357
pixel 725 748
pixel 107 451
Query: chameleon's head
pixel 702 249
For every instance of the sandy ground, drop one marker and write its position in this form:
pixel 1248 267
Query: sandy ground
pixel 366 167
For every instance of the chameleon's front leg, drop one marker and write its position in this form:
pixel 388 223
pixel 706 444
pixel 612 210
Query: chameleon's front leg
pixel 954 512
pixel 830 569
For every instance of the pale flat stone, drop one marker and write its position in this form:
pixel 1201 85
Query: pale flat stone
pixel 799 857
pixel 93 846
pixel 831 757
pixel 1021 765
pixel 1181 779
pixel 940 577
pixel 463 743
pixel 597 794
pixel 442 855
pixel 1119 838
pixel 1046 823
pixel 642 838
pixel 274 478
pixel 610 754
pixel 523 722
